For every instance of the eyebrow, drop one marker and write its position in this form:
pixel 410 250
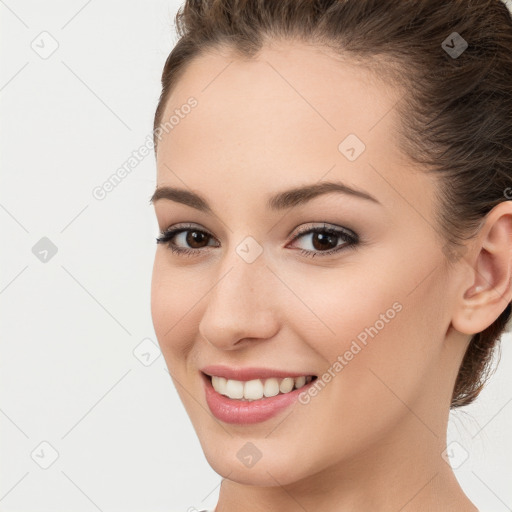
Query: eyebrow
pixel 280 201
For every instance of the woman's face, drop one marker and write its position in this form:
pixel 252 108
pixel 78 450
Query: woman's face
pixel 368 316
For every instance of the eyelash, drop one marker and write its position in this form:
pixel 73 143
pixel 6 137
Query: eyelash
pixel 346 235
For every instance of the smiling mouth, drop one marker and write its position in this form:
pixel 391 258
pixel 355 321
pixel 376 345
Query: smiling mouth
pixel 257 389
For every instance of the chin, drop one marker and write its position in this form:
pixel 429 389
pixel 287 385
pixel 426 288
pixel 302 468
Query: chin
pixel 269 473
pixel 273 468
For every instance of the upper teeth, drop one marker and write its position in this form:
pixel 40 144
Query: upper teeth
pixel 256 389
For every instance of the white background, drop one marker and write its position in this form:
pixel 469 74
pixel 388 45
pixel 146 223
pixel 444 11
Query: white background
pixel 69 326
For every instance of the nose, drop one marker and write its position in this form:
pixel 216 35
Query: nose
pixel 241 305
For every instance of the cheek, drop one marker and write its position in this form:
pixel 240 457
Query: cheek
pixel 172 303
pixel 384 353
pixel 388 302
pixel 349 304
pixel 386 317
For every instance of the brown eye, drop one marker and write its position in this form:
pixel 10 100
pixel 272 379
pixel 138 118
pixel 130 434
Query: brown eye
pixel 322 241
pixel 195 238
pixel 325 240
pixel 186 240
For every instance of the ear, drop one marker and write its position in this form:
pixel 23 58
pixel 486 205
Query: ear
pixel 486 292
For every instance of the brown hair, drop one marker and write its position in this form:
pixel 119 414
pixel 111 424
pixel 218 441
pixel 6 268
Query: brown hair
pixel 456 114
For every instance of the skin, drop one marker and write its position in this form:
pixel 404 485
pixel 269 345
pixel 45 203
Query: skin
pixel 373 438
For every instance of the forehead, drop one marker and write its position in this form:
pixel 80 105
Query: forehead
pixel 287 94
pixel 279 119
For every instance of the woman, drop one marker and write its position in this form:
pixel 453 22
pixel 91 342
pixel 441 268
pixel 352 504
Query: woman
pixel 334 265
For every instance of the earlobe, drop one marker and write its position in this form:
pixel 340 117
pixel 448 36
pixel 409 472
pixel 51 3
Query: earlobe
pixel 489 291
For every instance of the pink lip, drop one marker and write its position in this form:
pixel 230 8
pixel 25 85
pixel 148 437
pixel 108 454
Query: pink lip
pixel 243 412
pixel 244 374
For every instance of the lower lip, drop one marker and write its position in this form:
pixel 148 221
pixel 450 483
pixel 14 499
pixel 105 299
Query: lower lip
pixel 243 412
